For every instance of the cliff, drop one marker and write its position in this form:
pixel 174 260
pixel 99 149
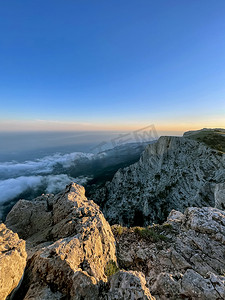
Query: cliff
pixel 173 173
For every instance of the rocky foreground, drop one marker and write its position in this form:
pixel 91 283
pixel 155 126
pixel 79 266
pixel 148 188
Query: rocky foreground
pixel 73 253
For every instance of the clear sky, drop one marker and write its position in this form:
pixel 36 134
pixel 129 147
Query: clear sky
pixel 112 64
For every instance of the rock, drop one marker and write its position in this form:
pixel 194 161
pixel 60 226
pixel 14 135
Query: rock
pixel 30 217
pixel 219 195
pixel 37 292
pixel 173 173
pixel 167 286
pixel 128 285
pixel 195 286
pixel 12 261
pixel 69 244
pixel 183 259
pixel 175 216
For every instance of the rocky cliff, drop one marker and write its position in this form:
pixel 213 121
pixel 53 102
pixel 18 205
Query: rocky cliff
pixel 174 173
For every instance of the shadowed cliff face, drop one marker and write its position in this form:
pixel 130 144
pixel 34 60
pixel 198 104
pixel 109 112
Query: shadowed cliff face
pixel 173 173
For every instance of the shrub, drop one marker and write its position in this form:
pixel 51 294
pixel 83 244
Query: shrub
pixel 119 229
pixel 167 226
pixel 111 268
pixel 149 233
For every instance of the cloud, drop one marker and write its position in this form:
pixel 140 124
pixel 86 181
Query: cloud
pixel 45 175
pixel 13 187
pixel 41 166
pixel 51 184
pixel 56 183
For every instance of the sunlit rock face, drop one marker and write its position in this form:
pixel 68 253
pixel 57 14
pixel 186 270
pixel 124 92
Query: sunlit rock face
pixel 174 173
pixel 69 245
pixel 12 261
pixel 183 259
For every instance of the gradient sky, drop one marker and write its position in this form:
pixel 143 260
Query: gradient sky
pixel 114 64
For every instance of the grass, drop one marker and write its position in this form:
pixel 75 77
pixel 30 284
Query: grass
pixel 149 233
pixel 119 230
pixel 213 139
pixel 111 268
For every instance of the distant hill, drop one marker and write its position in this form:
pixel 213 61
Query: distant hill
pixel 214 138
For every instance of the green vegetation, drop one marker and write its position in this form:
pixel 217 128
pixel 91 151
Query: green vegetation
pixel 214 139
pixel 111 268
pixel 167 226
pixel 150 233
pixel 119 229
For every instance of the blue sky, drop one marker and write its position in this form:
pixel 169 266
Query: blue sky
pixel 81 64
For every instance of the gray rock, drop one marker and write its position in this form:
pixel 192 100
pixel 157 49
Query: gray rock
pixel 220 195
pixel 188 263
pixel 128 285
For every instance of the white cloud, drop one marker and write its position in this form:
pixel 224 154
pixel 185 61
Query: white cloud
pixel 44 165
pixel 13 187
pixel 56 183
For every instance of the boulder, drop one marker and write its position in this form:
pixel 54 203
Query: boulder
pixel 69 243
pixel 12 261
pixel 128 285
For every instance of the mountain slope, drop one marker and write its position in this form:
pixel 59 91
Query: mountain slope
pixel 173 173
pixel 213 138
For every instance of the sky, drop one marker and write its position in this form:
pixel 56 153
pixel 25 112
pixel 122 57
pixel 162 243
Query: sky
pixel 112 65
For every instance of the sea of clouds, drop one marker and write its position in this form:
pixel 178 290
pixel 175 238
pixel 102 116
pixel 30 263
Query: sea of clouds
pixel 44 165
pixel 16 178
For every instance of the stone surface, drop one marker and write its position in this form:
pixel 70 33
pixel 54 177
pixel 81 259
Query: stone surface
pixel 128 285
pixel 187 263
pixel 69 244
pixel 12 261
pixel 220 195
pixel 173 173
pixel 42 292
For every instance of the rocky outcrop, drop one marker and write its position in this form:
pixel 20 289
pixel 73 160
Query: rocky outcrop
pixel 182 258
pixel 174 173
pixel 69 244
pixel 71 251
pixel 12 261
